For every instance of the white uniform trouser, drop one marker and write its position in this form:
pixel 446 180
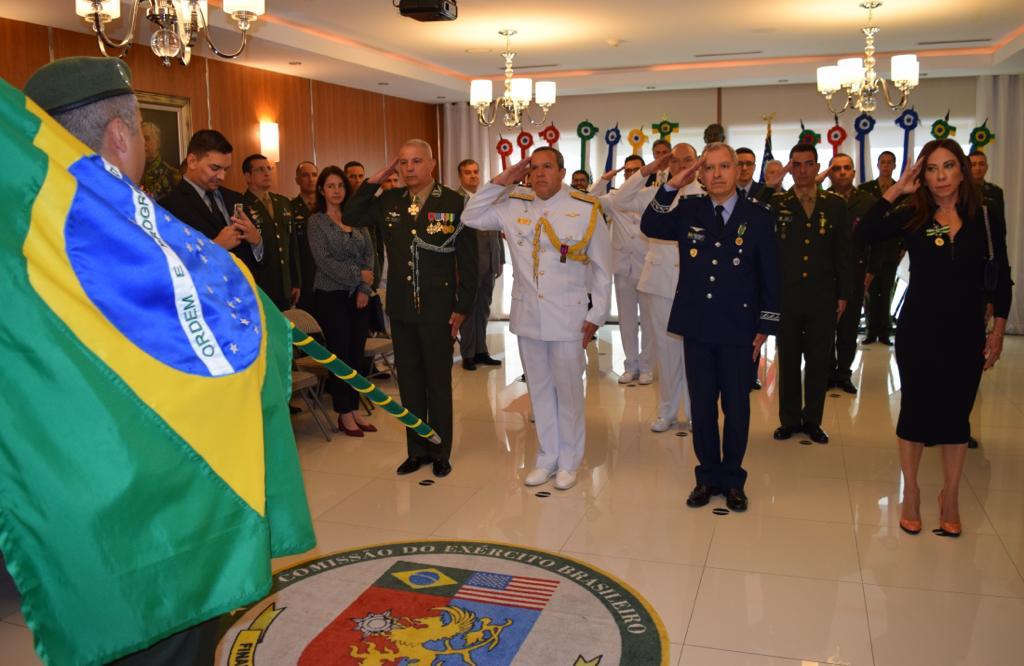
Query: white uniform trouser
pixel 673 392
pixel 554 377
pixel 636 337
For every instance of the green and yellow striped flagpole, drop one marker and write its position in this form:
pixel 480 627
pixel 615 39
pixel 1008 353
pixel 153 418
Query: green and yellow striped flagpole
pixel 342 371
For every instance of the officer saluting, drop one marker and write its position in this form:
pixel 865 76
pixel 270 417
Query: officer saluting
pixel 559 245
pixel 817 271
pixel 432 274
pixel 726 305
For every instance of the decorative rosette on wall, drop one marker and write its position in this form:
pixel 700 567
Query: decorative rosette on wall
pixel 836 136
pixel 586 131
pixel 665 128
pixel 504 148
pixel 611 138
pixel 908 122
pixel 637 139
pixel 941 129
pixel 981 136
pixel 550 134
pixel 863 125
pixel 525 142
pixel 808 137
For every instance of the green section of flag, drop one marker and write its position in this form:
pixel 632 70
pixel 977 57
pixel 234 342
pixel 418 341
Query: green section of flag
pixel 116 532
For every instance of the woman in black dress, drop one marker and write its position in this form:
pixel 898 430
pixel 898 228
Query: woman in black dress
pixel 941 344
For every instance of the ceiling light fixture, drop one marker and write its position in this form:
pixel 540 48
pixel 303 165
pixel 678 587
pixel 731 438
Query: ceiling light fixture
pixel 858 78
pixel 179 24
pixel 515 102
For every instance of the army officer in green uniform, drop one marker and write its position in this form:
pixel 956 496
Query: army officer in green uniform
pixel 432 276
pixel 303 206
pixel 841 172
pixel 813 231
pixel 280 274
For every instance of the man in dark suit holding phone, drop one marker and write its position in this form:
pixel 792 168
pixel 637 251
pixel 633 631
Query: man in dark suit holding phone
pixel 216 212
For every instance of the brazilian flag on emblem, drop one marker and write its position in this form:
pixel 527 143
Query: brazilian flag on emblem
pixel 148 470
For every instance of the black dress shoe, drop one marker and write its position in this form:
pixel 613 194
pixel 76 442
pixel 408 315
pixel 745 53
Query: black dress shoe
pixel 847 386
pixel 411 465
pixel 701 495
pixel 468 364
pixel 869 340
pixel 885 341
pixel 784 432
pixel 815 433
pixel 736 499
pixel 971 442
pixel 756 386
pixel 442 468
pixel 484 359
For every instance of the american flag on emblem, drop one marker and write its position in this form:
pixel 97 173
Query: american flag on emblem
pixel 516 591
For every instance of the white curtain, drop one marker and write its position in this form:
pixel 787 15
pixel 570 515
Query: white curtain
pixel 1001 100
pixel 464 137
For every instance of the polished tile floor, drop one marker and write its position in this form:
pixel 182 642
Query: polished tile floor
pixel 816 571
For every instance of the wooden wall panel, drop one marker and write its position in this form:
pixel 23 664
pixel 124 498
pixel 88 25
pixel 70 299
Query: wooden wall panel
pixel 241 97
pixel 406 120
pixel 349 126
pixel 24 48
pixel 148 71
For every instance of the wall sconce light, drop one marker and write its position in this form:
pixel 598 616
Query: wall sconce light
pixel 270 144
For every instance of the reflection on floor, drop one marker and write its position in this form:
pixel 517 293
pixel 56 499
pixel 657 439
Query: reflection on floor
pixel 816 571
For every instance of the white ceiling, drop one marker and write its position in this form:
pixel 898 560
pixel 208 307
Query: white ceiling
pixel 661 44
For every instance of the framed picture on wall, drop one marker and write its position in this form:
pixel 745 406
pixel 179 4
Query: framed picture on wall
pixel 166 127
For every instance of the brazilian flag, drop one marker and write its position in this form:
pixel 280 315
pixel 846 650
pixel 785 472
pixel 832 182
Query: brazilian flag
pixel 148 470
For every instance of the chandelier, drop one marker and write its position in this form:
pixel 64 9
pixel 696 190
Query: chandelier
pixel 858 79
pixel 515 102
pixel 178 22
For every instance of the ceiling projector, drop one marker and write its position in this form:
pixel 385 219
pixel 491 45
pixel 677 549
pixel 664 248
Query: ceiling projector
pixel 429 10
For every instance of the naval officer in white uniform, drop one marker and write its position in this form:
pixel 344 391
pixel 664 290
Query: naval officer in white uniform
pixel 559 244
pixel 629 246
pixel 658 282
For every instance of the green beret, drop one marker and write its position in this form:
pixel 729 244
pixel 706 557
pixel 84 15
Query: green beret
pixel 70 83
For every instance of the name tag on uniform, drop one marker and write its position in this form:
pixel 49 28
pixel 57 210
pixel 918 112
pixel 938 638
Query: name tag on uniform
pixel 694 236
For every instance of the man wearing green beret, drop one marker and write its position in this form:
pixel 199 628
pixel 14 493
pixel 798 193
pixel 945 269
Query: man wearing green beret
pixel 93 99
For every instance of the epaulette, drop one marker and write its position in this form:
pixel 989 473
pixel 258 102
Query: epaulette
pixel 583 196
pixel 762 204
pixel 831 194
pixel 783 194
pixel 525 196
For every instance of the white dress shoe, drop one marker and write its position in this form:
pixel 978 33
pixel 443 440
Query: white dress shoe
pixel 661 424
pixel 627 377
pixel 565 480
pixel 645 378
pixel 538 476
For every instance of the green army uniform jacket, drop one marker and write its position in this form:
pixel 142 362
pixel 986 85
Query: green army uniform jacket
pixel 432 256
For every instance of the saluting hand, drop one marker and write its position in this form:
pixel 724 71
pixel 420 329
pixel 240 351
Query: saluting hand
pixel 657 165
pixel 820 178
pixel 383 174
pixel 513 174
pixel 686 176
pixel 907 184
pixel 609 175
pixel 776 182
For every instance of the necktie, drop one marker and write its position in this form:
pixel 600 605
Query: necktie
pixel 719 219
pixel 215 209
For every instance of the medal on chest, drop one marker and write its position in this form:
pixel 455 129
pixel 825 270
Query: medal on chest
pixel 937 232
pixel 821 224
pixel 739 234
pixel 414 206
pixel 440 223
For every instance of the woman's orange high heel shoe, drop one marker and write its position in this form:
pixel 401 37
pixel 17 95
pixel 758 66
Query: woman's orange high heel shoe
pixel 946 528
pixel 911 526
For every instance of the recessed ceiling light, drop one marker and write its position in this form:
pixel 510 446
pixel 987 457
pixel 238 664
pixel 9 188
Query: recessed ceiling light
pixel 441 97
pixel 382 83
pixel 295 63
pixel 651 87
pixel 783 80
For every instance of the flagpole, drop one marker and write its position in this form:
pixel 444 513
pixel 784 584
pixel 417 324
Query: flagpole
pixel 342 371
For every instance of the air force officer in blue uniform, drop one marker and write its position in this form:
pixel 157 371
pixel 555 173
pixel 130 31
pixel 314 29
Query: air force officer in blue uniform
pixel 726 305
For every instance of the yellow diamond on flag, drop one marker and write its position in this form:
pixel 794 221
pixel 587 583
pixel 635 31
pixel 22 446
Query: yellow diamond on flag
pixel 420 579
